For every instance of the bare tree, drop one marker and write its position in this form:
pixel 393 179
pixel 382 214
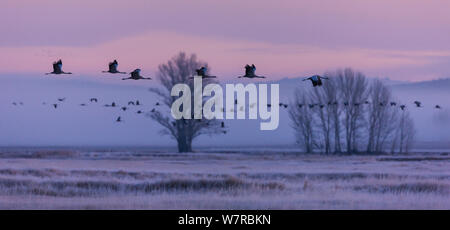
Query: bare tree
pixel 328 112
pixel 379 98
pixel 302 120
pixel 180 69
pixel 410 131
pixel 382 118
pixel 354 92
pixel 334 110
pixel 405 133
pixel 386 128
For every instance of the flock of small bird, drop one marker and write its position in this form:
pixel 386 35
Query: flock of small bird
pixel 417 104
pixel 135 103
pixel 115 105
pixel 94 100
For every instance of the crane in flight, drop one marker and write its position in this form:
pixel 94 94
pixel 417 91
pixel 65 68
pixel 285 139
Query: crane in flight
pixel 57 68
pixel 135 75
pixel 202 72
pixel 316 80
pixel 112 68
pixel 250 72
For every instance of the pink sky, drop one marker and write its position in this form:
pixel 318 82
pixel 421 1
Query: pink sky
pixel 401 39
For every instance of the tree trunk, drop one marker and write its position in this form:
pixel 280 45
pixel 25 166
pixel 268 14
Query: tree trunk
pixel 337 135
pixel 184 145
pixel 348 136
pixel 327 143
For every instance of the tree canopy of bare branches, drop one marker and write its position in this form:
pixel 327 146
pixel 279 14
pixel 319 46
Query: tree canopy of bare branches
pixel 350 112
pixel 180 69
pixel 302 121
pixel 382 118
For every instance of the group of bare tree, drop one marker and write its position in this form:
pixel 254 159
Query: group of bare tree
pixel 351 114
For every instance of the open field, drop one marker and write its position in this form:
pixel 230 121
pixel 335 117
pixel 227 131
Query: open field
pixel 150 179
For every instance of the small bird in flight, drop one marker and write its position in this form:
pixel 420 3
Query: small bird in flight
pixel 112 105
pixel 418 104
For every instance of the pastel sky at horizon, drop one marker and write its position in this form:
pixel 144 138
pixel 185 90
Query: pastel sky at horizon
pixel 399 39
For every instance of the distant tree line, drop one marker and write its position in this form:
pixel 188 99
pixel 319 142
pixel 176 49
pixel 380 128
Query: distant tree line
pixel 350 114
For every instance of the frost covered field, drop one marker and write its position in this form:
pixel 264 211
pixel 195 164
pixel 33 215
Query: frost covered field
pixel 151 179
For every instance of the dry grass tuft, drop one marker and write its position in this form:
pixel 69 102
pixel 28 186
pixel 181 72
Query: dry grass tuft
pixel 406 188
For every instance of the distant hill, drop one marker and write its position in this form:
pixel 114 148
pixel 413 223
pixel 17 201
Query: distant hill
pixel 440 84
pixel 289 85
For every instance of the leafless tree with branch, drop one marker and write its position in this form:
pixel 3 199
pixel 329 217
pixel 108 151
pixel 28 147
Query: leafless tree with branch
pixel 302 120
pixel 328 112
pixel 181 69
pixel 382 118
pixel 404 134
pixel 354 91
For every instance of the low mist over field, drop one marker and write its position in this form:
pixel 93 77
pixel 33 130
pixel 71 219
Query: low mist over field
pixel 73 125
